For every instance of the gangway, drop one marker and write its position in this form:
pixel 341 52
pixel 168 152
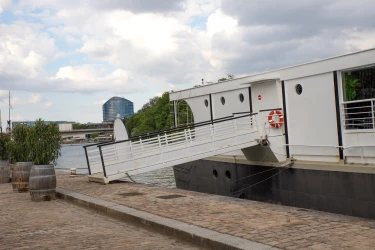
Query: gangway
pixel 120 159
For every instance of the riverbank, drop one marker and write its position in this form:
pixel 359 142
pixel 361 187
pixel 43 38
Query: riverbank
pixel 60 225
pixel 267 224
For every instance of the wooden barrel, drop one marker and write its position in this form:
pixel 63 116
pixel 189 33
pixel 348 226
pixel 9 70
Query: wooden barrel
pixel 20 176
pixel 42 182
pixel 4 172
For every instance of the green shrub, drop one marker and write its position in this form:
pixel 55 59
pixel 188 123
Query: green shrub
pixel 4 150
pixel 19 148
pixel 351 85
pixel 44 142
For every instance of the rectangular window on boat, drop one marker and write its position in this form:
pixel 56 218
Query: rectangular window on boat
pixel 359 98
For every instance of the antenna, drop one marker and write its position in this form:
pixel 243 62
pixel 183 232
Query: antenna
pixel 1 125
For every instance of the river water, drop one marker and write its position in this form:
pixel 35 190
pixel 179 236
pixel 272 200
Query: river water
pixel 73 156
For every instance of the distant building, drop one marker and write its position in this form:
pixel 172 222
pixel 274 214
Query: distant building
pixel 117 106
pixel 32 123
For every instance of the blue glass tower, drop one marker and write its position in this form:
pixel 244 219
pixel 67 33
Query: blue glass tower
pixel 117 106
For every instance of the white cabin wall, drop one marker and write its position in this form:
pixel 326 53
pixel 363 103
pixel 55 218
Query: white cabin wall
pixel 200 111
pixel 312 118
pixel 271 98
pixel 269 93
pixel 232 103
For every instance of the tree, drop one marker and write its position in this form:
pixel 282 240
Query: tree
pixel 153 116
pixel 19 147
pixel 44 140
pixel 4 150
pixel 229 77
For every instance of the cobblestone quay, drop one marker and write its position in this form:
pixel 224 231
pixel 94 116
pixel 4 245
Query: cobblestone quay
pixel 59 225
pixel 274 225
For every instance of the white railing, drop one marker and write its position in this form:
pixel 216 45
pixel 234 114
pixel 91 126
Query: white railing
pixel 359 114
pixel 147 153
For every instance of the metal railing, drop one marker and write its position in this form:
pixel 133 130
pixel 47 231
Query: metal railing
pixel 155 149
pixel 359 114
pixel 91 153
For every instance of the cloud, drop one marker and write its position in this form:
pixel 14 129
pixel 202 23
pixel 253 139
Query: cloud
pixel 219 22
pixel 91 78
pixel 4 94
pixel 131 46
pixel 140 6
pixel 100 102
pixel 35 98
pixel 270 35
pixel 24 50
pixel 47 105
pixel 17 118
pixel 5 4
pixel 320 14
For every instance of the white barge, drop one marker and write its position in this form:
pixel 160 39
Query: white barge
pixel 301 136
pixel 317 116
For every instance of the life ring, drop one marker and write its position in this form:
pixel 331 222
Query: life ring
pixel 274 123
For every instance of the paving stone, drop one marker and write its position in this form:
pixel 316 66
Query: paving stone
pixel 256 221
pixel 60 225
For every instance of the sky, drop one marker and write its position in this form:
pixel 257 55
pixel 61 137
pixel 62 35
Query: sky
pixel 62 60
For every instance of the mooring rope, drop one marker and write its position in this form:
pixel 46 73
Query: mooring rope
pixel 254 174
pixel 239 191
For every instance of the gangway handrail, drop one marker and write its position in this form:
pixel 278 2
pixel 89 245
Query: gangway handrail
pixel 219 120
pixel 94 144
pixel 99 149
pixel 177 128
pixel 87 157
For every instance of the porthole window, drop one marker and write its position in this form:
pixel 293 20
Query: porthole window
pixel 222 99
pixel 215 173
pixel 298 89
pixel 228 175
pixel 242 98
pixel 206 103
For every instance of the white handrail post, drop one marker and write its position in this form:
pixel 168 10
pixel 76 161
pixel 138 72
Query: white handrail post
pixel 362 155
pixel 372 115
pixel 166 139
pixel 190 140
pixel 235 128
pixel 186 138
pixel 212 136
pixel 161 150
pixel 140 143
pixel 187 141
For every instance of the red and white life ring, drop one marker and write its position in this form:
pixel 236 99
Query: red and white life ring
pixel 274 123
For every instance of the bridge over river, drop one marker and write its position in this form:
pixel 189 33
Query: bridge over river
pixel 84 133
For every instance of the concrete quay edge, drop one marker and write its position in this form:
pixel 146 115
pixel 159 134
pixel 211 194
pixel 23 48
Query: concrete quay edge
pixel 199 236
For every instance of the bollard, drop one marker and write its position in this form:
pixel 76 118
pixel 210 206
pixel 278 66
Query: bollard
pixel 73 172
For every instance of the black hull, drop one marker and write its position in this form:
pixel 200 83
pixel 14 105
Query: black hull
pixel 330 191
